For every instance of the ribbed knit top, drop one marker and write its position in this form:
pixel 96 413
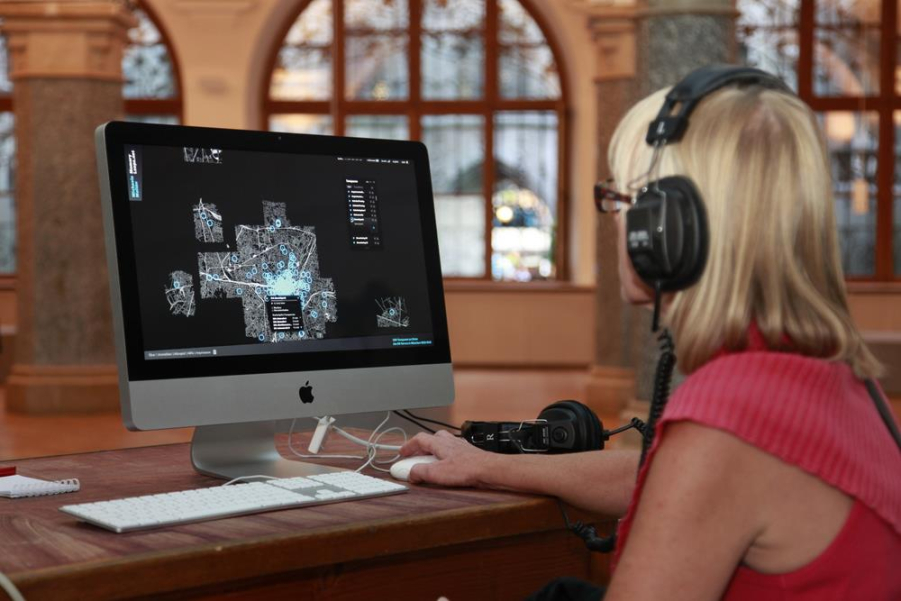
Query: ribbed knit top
pixel 811 413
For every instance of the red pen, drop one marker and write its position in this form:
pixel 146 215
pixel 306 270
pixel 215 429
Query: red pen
pixel 7 471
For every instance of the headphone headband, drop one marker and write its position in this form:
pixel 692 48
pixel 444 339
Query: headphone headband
pixel 667 128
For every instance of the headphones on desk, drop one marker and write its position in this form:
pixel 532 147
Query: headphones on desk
pixel 564 427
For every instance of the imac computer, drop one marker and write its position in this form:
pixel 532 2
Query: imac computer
pixel 258 277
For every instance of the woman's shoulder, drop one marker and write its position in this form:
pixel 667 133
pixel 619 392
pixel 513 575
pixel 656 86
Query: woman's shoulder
pixel 763 385
pixel 811 413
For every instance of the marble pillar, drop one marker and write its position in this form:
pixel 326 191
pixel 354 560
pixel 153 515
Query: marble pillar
pixel 66 65
pixel 674 37
pixel 641 47
pixel 612 380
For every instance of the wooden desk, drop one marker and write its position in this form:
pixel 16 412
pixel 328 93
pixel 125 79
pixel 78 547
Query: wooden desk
pixel 463 544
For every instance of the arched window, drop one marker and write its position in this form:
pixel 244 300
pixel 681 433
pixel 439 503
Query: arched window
pixel 841 57
pixel 477 81
pixel 151 94
pixel 7 167
pixel 151 89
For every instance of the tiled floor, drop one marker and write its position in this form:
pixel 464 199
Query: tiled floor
pixel 481 395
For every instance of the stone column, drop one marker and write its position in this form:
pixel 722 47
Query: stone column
pixel 678 36
pixel 66 65
pixel 674 38
pixel 612 381
pixel 640 48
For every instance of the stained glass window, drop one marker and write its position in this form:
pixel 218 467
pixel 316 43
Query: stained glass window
pixel 376 44
pixel 524 202
pixel 846 48
pixel 853 141
pixel 151 88
pixel 457 151
pixel 453 49
pixel 476 80
pixel 7 168
pixel 6 86
pixel 146 64
pixel 768 36
pixel 7 190
pixel 151 95
pixel 303 70
pixel 839 55
pixel 527 66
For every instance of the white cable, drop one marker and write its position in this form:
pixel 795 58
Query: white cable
pixel 360 441
pixel 372 445
pixel 316 456
pixel 9 588
pixel 371 448
pixel 393 459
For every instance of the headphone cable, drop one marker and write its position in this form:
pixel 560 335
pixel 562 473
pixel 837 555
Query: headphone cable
pixel 655 325
pixel 634 423
pixel 662 380
pixel 410 419
pixel 588 533
pixel 431 421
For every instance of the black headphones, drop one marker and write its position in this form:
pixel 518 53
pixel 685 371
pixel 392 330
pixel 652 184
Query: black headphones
pixel 564 427
pixel 667 236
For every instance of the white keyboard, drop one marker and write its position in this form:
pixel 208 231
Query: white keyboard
pixel 187 506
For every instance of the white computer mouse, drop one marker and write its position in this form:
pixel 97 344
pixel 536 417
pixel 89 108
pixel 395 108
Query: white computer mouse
pixel 400 470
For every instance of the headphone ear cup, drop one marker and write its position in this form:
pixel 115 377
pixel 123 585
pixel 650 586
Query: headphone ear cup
pixel 586 427
pixel 667 235
pixel 695 233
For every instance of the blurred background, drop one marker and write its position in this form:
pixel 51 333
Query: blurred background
pixel 516 101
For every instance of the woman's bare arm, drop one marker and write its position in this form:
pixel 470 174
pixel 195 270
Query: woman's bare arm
pixel 599 481
pixel 701 509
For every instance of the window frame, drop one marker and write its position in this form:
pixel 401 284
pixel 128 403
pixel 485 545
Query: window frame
pixel 415 107
pixel 885 103
pixel 140 106
pixel 158 106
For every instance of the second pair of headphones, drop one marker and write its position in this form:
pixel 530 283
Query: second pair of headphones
pixel 564 427
pixel 667 236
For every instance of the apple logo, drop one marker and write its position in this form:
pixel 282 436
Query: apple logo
pixel 306 393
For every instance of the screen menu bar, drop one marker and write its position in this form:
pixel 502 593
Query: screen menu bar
pixel 363 213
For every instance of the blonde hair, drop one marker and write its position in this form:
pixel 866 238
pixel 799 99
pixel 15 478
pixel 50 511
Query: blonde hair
pixel 759 160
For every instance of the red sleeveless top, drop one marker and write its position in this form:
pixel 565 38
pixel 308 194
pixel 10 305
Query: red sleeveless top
pixel 817 415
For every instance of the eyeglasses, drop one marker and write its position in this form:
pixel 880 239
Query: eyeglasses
pixel 608 200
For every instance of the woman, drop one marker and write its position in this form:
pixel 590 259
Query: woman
pixel 771 475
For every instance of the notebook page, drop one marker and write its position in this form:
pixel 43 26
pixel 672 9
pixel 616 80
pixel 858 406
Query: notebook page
pixel 15 487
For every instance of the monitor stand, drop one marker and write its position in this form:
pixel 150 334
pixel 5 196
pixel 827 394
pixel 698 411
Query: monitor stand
pixel 238 450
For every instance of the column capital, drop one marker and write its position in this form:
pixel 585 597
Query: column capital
pixel 612 27
pixel 655 8
pixel 66 38
pixel 601 7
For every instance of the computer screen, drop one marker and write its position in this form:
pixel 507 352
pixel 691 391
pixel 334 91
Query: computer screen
pixel 256 253
pixel 253 253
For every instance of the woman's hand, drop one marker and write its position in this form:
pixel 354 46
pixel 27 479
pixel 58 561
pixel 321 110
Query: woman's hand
pixel 598 481
pixel 460 463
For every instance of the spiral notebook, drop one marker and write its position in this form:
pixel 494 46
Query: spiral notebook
pixel 16 487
